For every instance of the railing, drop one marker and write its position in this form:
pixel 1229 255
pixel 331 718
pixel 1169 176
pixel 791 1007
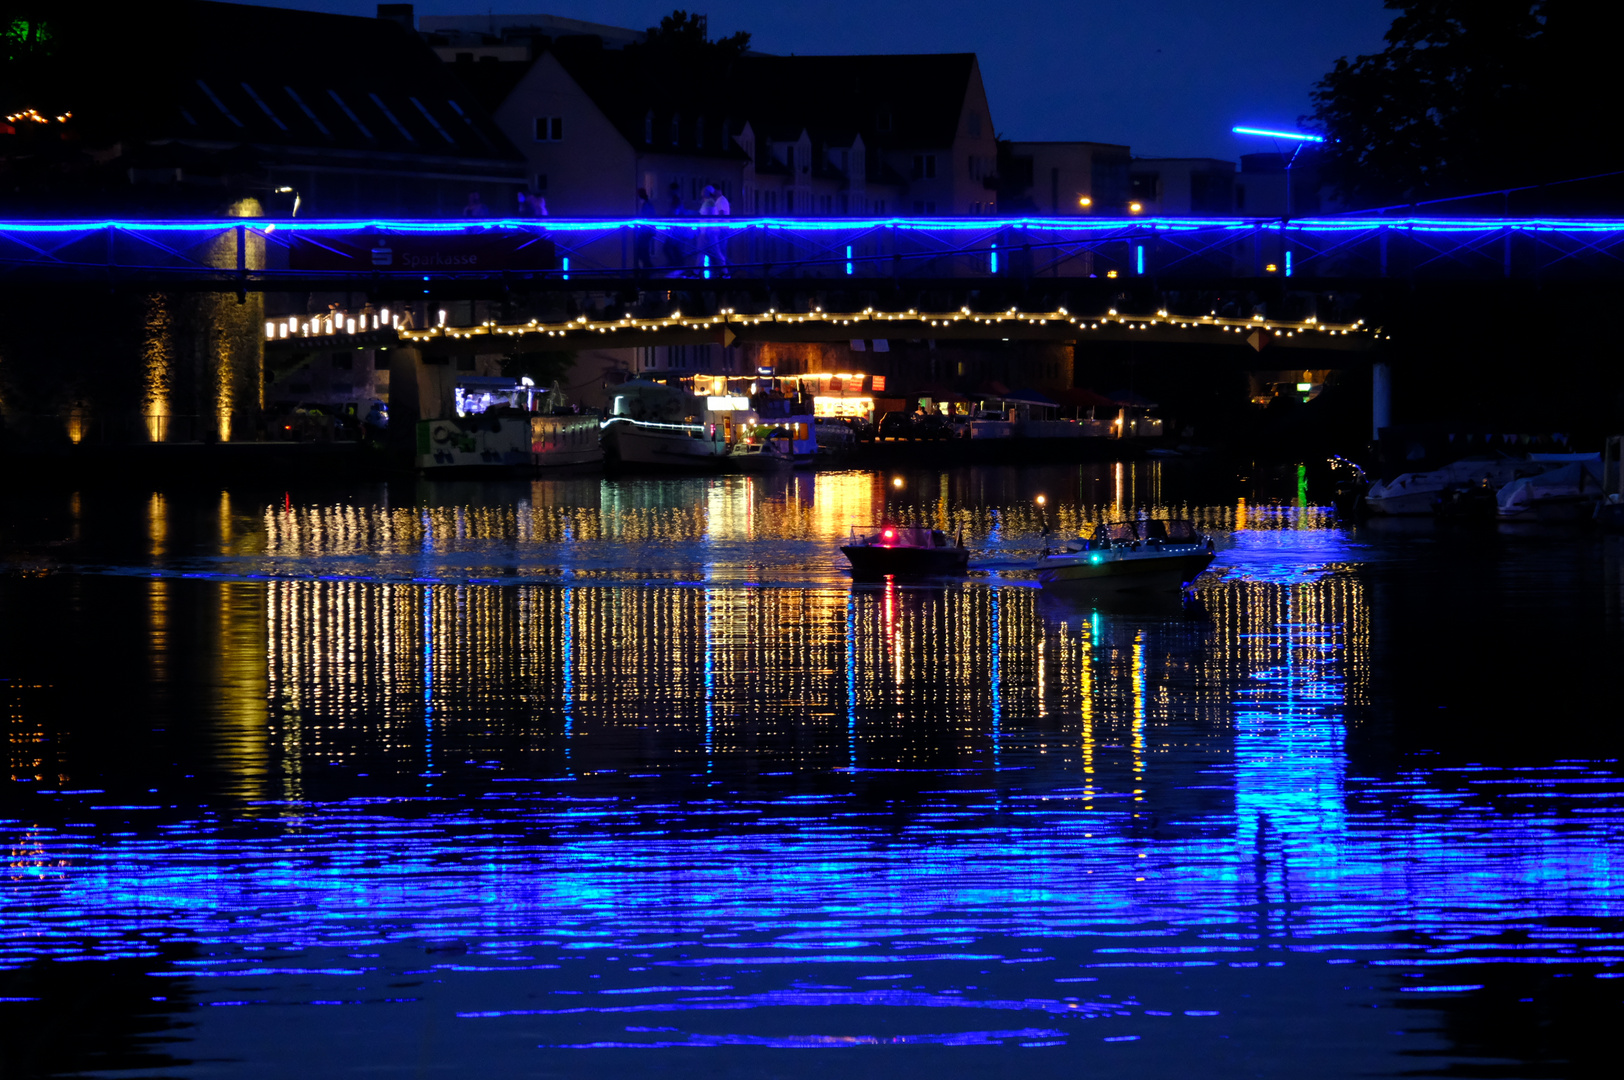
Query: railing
pixel 572 253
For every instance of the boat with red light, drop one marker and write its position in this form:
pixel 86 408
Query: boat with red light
pixel 906 550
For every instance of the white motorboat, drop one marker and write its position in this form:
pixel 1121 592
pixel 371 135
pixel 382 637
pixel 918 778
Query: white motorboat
pixel 763 456
pixel 1416 493
pixel 1566 493
pixel 1160 553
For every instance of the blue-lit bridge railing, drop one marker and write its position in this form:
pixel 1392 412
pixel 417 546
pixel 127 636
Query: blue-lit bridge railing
pixel 575 254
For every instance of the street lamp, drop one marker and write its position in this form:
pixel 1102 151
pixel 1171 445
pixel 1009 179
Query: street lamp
pixel 1296 140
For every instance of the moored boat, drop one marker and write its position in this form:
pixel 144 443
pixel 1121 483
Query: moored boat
pixel 1155 553
pixel 1571 492
pixel 651 425
pixel 904 550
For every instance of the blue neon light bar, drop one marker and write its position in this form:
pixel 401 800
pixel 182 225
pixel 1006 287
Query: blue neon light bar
pixel 1077 225
pixel 1277 134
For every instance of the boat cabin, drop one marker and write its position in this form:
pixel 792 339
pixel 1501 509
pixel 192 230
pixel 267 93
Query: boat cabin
pixel 898 536
pixel 1149 532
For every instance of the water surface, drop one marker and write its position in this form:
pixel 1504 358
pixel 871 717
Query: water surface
pixel 589 777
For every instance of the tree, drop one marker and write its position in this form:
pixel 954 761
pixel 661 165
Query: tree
pixel 681 36
pixel 1445 109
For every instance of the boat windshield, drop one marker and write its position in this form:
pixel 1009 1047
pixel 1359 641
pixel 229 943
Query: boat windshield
pixel 897 536
pixel 1169 530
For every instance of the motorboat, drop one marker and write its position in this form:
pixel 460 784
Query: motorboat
pixel 905 550
pixel 1418 493
pixel 1154 553
pixel 774 449
pixel 654 425
pixel 1569 492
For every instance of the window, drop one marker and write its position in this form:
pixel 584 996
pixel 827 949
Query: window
pixel 789 202
pixel 924 167
pixel 549 129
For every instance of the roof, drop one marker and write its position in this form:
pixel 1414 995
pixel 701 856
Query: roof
pixel 1078 397
pixel 892 102
pixel 274 77
pixel 628 88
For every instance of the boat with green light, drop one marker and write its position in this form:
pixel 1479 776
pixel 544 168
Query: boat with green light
pixel 1154 553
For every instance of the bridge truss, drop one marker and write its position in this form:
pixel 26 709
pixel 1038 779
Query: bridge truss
pixel 399 257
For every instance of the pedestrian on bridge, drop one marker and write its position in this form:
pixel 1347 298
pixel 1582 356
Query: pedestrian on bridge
pixel 643 238
pixel 674 255
pixel 715 204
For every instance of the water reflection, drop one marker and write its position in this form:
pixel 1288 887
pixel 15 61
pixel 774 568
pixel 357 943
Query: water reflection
pixel 734 811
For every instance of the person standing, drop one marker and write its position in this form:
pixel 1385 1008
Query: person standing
pixel 715 204
pixel 674 256
pixel 643 237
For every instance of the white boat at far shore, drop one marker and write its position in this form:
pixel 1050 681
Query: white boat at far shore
pixel 1415 494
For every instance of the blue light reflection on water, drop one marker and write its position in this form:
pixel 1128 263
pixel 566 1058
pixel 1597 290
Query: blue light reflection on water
pixel 975 772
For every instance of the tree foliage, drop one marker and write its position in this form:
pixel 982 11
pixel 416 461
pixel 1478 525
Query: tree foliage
pixel 1467 96
pixel 681 35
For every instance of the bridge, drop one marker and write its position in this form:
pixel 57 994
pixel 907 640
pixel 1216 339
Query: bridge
pixel 484 257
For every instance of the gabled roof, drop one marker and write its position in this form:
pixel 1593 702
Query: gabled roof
pixel 897 101
pixel 274 77
pixel 901 102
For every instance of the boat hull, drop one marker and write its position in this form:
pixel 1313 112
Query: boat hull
pixel 560 441
pixel 1130 571
pixel 878 562
pixel 635 446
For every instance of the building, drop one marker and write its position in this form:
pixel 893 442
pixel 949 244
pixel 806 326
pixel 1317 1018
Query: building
pixel 1260 189
pixel 597 117
pixel 1064 179
pixel 1182 187
pixel 300 111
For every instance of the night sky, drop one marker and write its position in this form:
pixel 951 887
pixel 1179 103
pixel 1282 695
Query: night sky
pixel 1167 77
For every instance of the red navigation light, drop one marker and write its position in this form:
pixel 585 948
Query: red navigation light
pixel 890 535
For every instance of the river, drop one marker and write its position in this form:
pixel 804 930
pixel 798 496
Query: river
pixel 620 777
